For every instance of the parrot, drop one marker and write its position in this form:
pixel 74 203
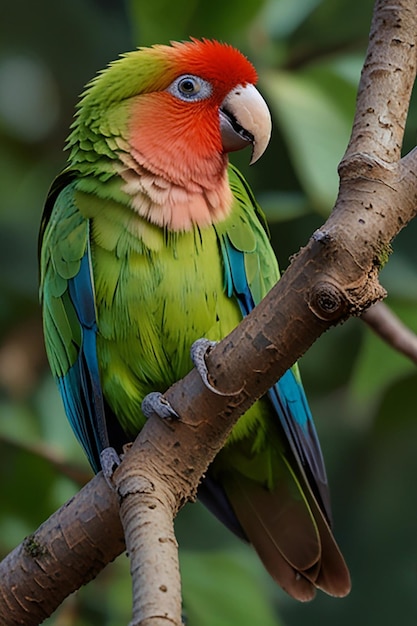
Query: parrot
pixel 152 247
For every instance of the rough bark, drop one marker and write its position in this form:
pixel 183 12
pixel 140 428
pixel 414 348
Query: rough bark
pixel 67 551
pixel 333 277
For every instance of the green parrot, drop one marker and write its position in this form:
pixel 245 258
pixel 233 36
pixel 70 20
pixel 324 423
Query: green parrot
pixel 151 240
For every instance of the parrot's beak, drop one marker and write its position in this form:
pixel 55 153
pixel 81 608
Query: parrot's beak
pixel 245 120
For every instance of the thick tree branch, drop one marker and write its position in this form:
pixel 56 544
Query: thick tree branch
pixel 68 550
pixel 387 80
pixel 333 277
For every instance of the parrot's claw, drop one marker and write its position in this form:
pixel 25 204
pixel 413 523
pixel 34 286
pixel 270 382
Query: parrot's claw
pixel 155 404
pixel 199 351
pixel 109 461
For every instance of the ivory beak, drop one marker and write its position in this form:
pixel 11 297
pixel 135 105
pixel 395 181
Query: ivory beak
pixel 245 120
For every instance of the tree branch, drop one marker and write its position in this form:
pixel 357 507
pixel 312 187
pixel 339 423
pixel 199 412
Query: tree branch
pixel 391 329
pixel 67 551
pixel 333 277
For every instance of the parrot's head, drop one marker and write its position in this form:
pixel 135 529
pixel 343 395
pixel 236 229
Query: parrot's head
pixel 164 119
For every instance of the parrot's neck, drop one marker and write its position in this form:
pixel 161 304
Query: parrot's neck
pixel 177 204
pixel 177 190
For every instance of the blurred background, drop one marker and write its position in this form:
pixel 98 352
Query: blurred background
pixel 309 55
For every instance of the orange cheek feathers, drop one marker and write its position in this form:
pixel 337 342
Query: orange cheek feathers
pixel 172 135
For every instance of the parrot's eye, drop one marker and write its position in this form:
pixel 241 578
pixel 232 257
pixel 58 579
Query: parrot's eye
pixel 190 87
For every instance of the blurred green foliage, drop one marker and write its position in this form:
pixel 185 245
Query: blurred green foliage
pixel 308 54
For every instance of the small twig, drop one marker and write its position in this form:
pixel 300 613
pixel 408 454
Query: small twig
pixel 391 329
pixel 78 474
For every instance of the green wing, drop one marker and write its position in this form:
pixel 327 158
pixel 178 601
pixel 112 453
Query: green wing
pixel 69 315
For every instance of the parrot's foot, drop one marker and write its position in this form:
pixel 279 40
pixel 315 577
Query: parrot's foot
pixel 109 461
pixel 199 351
pixel 155 404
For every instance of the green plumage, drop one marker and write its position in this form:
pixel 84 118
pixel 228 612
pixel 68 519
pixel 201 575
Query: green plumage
pixel 156 292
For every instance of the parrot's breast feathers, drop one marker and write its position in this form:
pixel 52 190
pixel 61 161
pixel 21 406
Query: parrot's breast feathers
pixel 172 204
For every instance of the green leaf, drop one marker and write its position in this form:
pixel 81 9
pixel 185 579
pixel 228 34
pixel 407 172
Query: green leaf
pixel 348 67
pixel 379 365
pixel 281 206
pixel 221 589
pixel 316 131
pixel 282 17
pixel 160 21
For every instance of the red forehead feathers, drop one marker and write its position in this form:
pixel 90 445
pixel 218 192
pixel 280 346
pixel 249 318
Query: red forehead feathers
pixel 219 63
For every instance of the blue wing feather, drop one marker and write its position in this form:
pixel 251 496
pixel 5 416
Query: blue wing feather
pixel 287 395
pixel 73 345
pixel 80 387
pixel 236 279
